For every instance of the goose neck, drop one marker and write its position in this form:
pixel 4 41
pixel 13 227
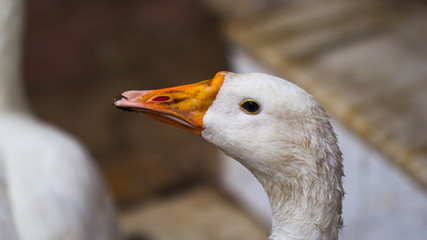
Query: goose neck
pixel 11 93
pixel 306 208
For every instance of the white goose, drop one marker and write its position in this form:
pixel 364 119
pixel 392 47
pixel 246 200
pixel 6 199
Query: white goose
pixel 273 128
pixel 49 187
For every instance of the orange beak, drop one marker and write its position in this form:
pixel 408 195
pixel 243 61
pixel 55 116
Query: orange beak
pixel 182 106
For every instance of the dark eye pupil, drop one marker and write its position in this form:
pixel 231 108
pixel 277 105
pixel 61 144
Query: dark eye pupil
pixel 250 106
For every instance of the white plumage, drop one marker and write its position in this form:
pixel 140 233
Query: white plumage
pixel 50 188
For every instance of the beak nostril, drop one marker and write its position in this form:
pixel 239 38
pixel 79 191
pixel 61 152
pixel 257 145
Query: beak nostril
pixel 161 99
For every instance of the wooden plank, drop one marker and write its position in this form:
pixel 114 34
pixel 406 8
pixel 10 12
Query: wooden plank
pixel 201 213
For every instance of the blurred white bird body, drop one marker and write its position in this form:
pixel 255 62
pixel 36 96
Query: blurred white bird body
pixel 50 188
pixel 273 128
pixel 54 190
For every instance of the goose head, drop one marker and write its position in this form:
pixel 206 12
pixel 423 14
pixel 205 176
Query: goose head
pixel 272 127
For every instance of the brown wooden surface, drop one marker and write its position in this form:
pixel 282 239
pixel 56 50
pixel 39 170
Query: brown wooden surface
pixel 200 213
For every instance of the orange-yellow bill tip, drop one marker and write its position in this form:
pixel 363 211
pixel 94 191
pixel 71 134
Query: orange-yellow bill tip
pixel 182 106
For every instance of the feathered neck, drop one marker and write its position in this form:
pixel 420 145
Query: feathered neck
pixel 306 196
pixel 306 208
pixel 11 93
pixel 304 186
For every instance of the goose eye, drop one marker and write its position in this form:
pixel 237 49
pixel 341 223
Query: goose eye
pixel 250 106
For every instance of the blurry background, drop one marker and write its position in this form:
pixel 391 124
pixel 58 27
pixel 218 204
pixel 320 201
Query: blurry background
pixel 80 54
pixel 365 61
